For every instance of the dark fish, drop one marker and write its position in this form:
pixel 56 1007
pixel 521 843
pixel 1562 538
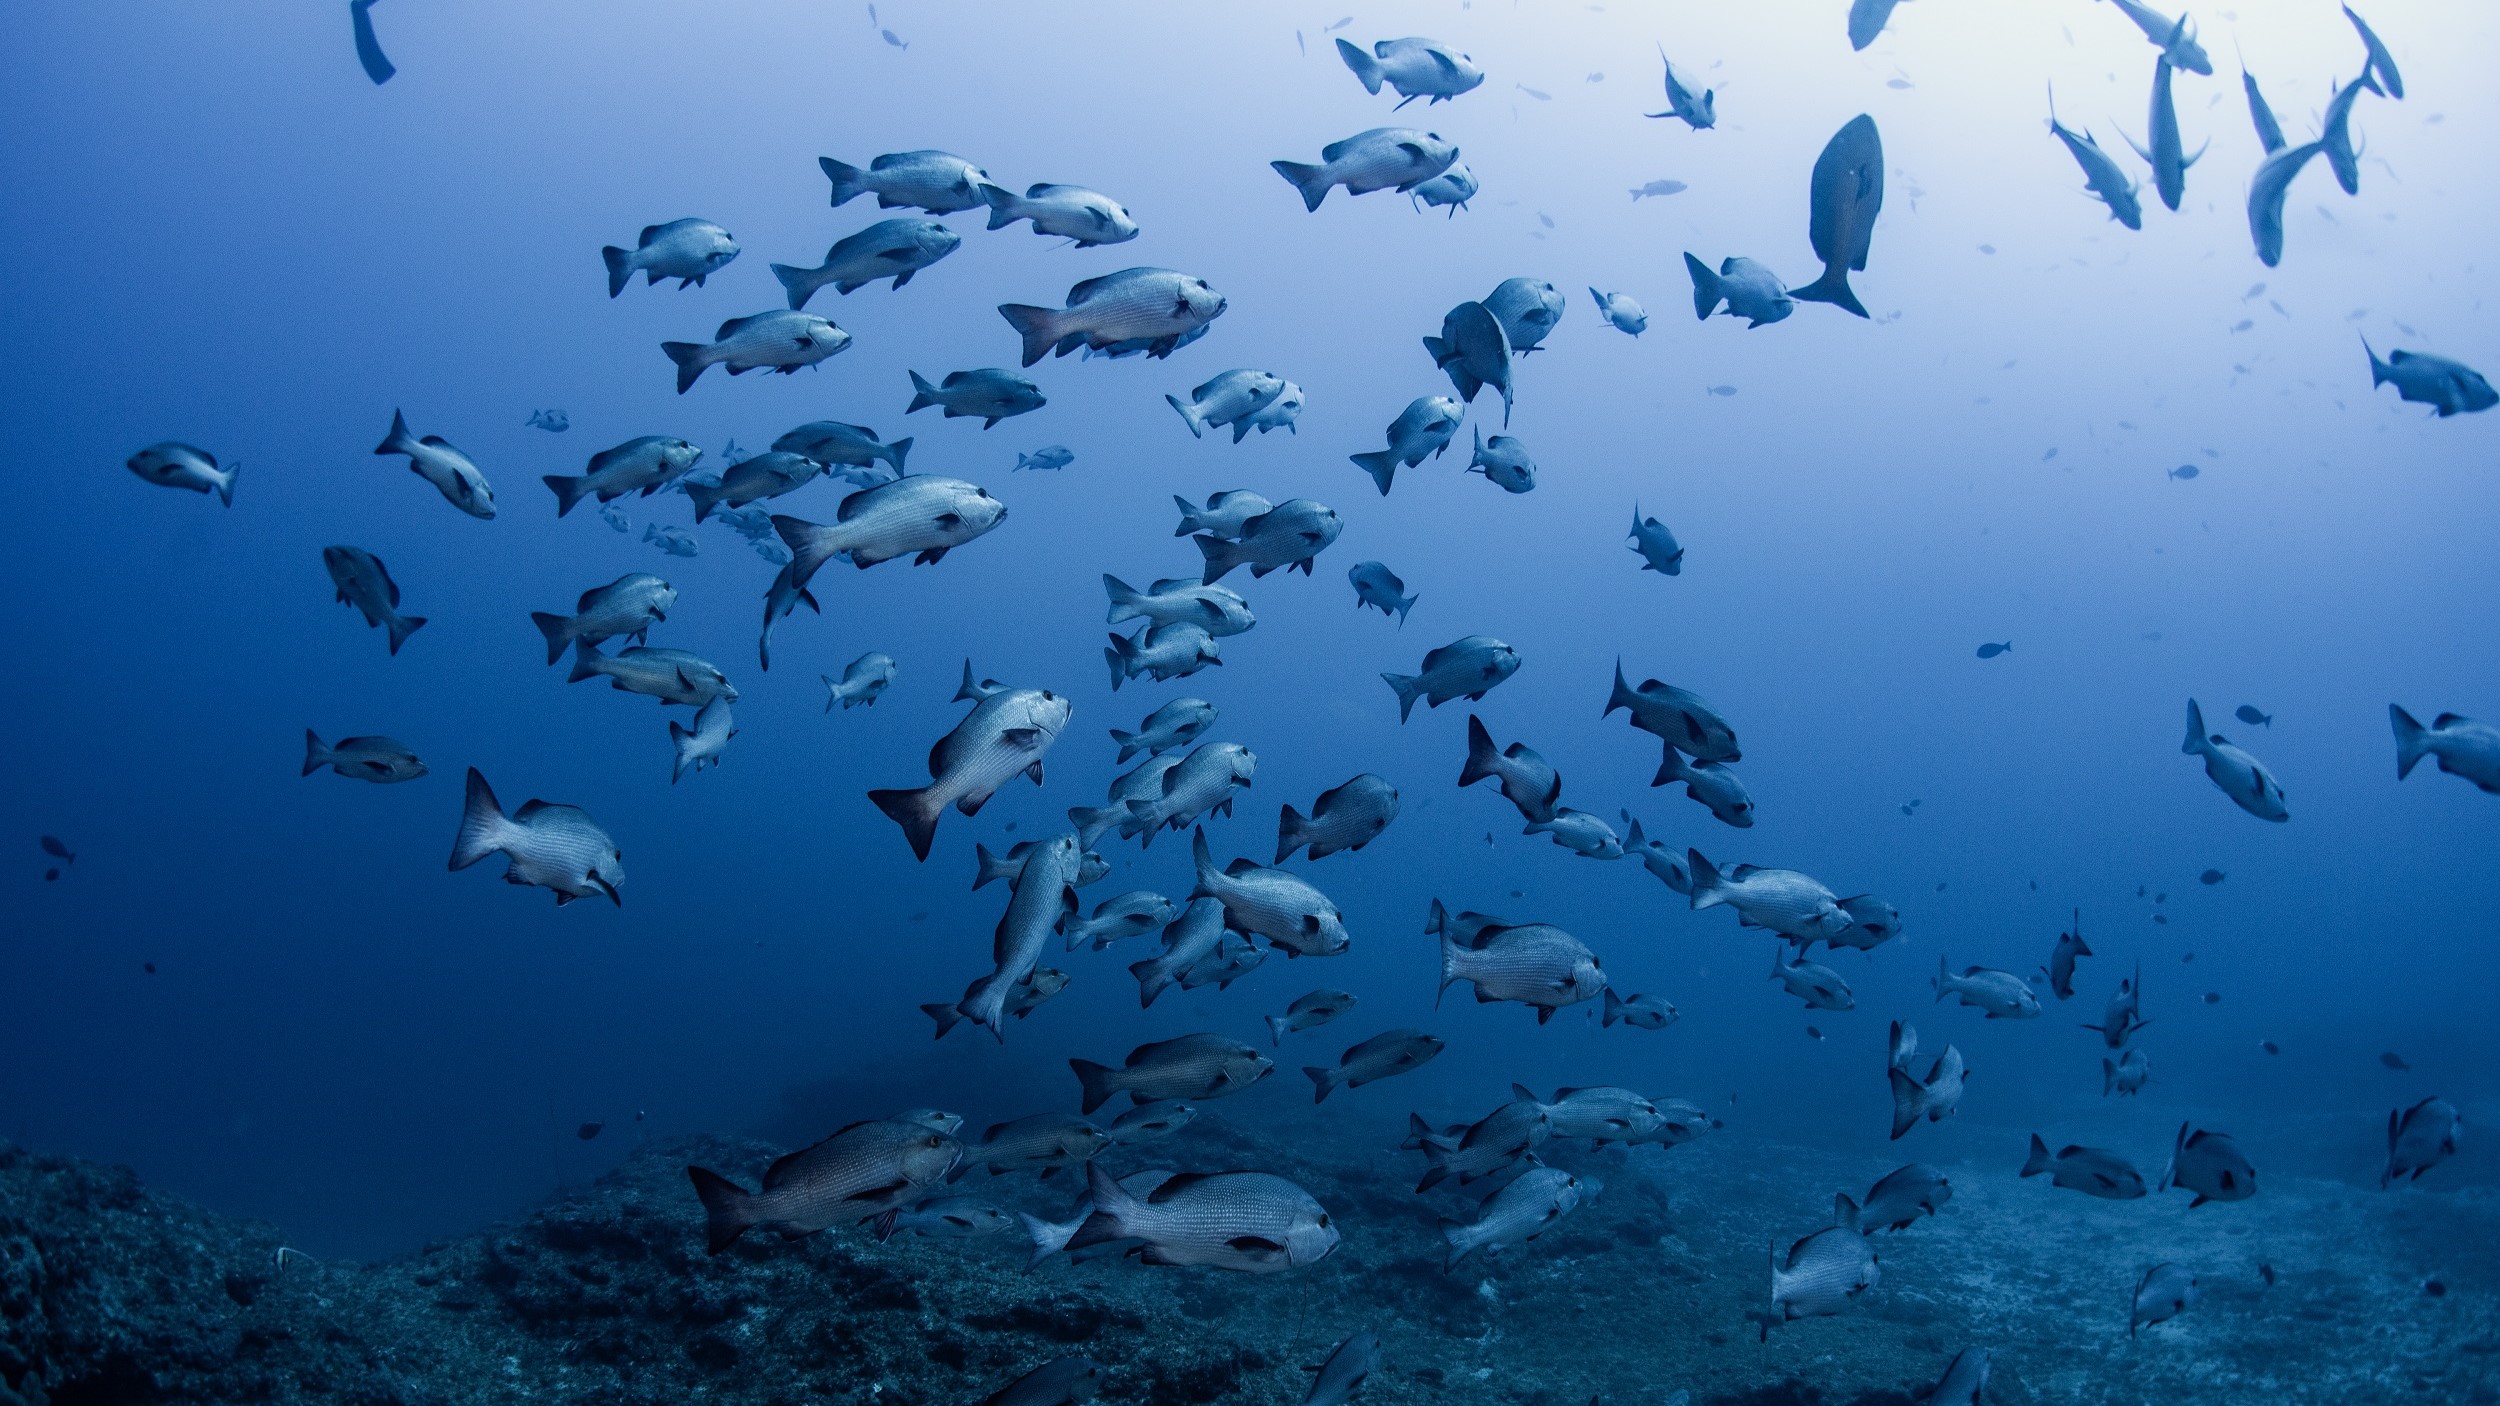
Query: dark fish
pixel 2434 1289
pixel 150 966
pixel 1721 390
pixel 2184 471
pixel 891 38
pixel 2248 714
pixel 52 846
pixel 368 48
pixel 2270 1047
pixel 1991 651
pixel 587 1131
pixel 51 875
pixel 2396 1062
pixel 2266 1272
pixel 2213 998
pixel 2211 877
pixel 1847 193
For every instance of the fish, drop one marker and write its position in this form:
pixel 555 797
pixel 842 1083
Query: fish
pixel 1640 1011
pixel 1622 311
pixel 1584 834
pixel 1201 1066
pixel 1228 398
pixel 1528 310
pixel 2382 64
pixel 1038 986
pixel 1308 1011
pixel 2090 1170
pixel 1930 1100
pixel 1416 68
pixel 1271 903
pixel 2000 994
pixel 1280 413
pixel 1601 1114
pixel 2211 877
pixel 1383 158
pixel 1041 1142
pixel 2209 1164
pixel 552 421
pixel 1389 1053
pixel 2126 1075
pixel 2249 714
pixel 1536 964
pixel 1655 544
pixel 1207 780
pixel 938 182
pixel 380 760
pixel 1223 515
pixel 2172 37
pixel 1083 217
pixel 1345 817
pixel 2183 473
pixel 1872 923
pixel 1867 19
pixel 2461 747
pixel 1484 1148
pixel 2266 192
pixel 894 249
pixel 377 67
pixel 644 465
pixel 1468 668
pixel 1421 431
pixel 1218 610
pixel 1377 586
pixel 1530 1205
pixel 2448 387
pixel 1991 651
pixel 1007 732
pixel 2120 1019
pixel 923 516
pixel 1903 1195
pixel 2269 131
pixel 779 340
pixel 1847 194
pixel 173 464
pixel 1748 289
pixel 1235 957
pixel 2062 958
pixel 1678 716
pixel 454 474
pixel 950 1218
pixel 672 540
pixel 1711 784
pixel 2162 1294
pixel 1538 94
pixel 1044 897
pixel 1175 724
pixel 892 39
pixel 1965 1380
pixel 989 395
pixel 689 251
pixel 2165 153
pixel 1165 651
pixel 1699 111
pixel 1284 537
pixel 769 475
pixel 1156 308
pixel 1825 1272
pixel 1343 1372
pixel 1147 1122
pixel 833 443
pixel 1474 352
pixel 1526 780
pixel 1062 1381
pixel 1131 914
pixel 860 1172
pixel 557 847
pixel 1454 187
pixel 2335 134
pixel 670 675
pixel 362 581
pixel 862 681
pixel 1504 461
pixel 1141 782
pixel 1781 900
pixel 1658 188
pixel 1254 1222
pixel 1818 986
pixel 701 746
pixel 2100 172
pixel 2418 1139
pixel 1722 390
pixel 2395 1061
pixel 2234 772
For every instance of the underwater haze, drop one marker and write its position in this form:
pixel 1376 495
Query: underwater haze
pixel 264 992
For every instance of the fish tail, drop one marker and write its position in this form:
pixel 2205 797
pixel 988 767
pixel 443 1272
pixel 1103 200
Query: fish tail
pixel 316 756
pixel 705 498
pixel 2412 740
pixel 1048 1237
pixel 620 268
pixel 1407 605
pixel 1189 415
pixel 2039 1160
pixel 570 489
pixel 1093 822
pixel 1622 696
pixel 893 453
pixel 1289 836
pixel 1944 976
pixel 690 360
pixel 1221 557
pixel 2195 742
pixel 557 628
pixel 1039 327
pixel 916 811
pixel 2380 372
pixel 800 284
pixel 811 544
pixel 946 1016
pixel 1321 1083
pixel 482 824
pixel 588 662
pixel 1408 688
pixel 1190 521
pixel 1153 976
pixel 1124 599
pixel 1119 654
pixel 401 627
pixel 1832 287
pixel 848 181
pixel 1909 1102
pixel 986 1005
pixel 682 740
pixel 1366 67
pixel 1707 294
pixel 398 441
pixel 1482 756
pixel 1614 1009
pixel 225 484
pixel 728 1209
pixel 2109 1076
pixel 1276 1027
pixel 1128 743
pixel 924 395
pixel 1670 768
pixel 1311 181
pixel 1381 464
pixel 1096 1080
pixel 1453 956
pixel 1709 890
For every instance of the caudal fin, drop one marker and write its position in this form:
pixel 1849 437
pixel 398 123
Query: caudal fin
pixel 586 662
pixel 1128 743
pixel 401 627
pixel 620 268
pixel 916 811
pixel 1039 327
pixel 1909 1103
pixel 848 181
pixel 1832 287
pixel 1408 688
pixel 1482 755
pixel 704 496
pixel 728 1209
pixel 2195 742
pixel 1096 1080
pixel 1277 1025
pixel 2413 741
pixel 2039 1161
pixel 1221 557
pixel 1707 294
pixel 1310 181
pixel 225 484
pixel 316 756
pixel 1614 1009
pixel 557 628
pixel 945 1014
pixel 398 441
pixel 1119 654
pixel 1709 890
pixel 2380 372
pixel 923 395
pixel 1189 415
pixel 1124 600
pixel 1049 1237
pixel 482 825
pixel 1323 1082
pixel 569 490
pixel 1381 464
pixel 690 360
pixel 799 284
pixel 1364 65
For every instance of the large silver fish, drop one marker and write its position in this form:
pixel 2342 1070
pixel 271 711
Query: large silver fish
pixel 1536 964
pixel 555 847
pixel 700 746
pixel 989 394
pixel 1254 1222
pixel 2101 173
pixel 1749 289
pixel 1175 724
pixel 2162 1294
pixel 1377 586
pixel 1533 1203
pixel 1474 352
pixel 1931 1100
pixel 894 249
pixel 1312 1008
pixel 1818 986
pixel 1825 1272
pixel 2209 1164
pixel 689 251
pixel 1466 668
pixel 1782 900
pixel 1223 514
pixel 861 1171
pixel 1044 897
pixel 833 442
pixel 1345 817
pixel 1282 538
pixel 454 475
pixel 863 680
pixel 1602 1114
pixel 1526 779
pixel 624 607
pixel 1902 1196
pixel 1006 733
pixel 1153 306
pixel 2266 192
pixel 936 181
pixel 1062 1381
pixel 1162 652
pixel 1528 309
pixel 2164 151
pixel 1143 782
pixel 1847 194
pixel 1384 158
pixel 2448 387
pixel 1417 68
pixel 1180 600
pixel 1042 1142
pixel 1270 903
pixel 1965 1380
pixel 365 583
pixel 781 340
pixel 1696 105
pixel 670 675
pixel 1083 217
pixel 380 760
pixel 923 516
pixel 1187 940
pixel 2418 1139
pixel 2234 772
pixel 2070 949
pixel 2093 1171
pixel 1229 398
pixel 1487 1147
pixel 1201 1066
pixel 1421 431
pixel 2175 38
pixel 644 465
pixel 1335 1380
pixel 1206 780
pixel 2001 994
pixel 1679 717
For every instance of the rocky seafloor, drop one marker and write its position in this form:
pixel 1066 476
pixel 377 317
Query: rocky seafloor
pixel 111 1295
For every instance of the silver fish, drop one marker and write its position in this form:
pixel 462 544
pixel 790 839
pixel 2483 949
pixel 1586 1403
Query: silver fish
pixel 1205 781
pixel 1825 1272
pixel 1453 188
pixel 1228 398
pixel 1286 536
pixel 1335 1380
pixel 1048 458
pixel 2122 1017
pixel 1903 1195
pixel 1115 919
pixel 645 465
pixel 1234 957
pixel 689 251
pixel 2162 1294
pixel 380 760
pixel 2237 774
pixel 1383 158
pixel 2001 994
pixel 1377 586
pixel 1421 431
pixel 1474 352
pixel 1487 1147
pixel 1281 412
pixel 1677 716
pixel 701 746
pixel 832 443
pixel 1345 817
pixel 2209 1164
pixel 936 181
pixel 2070 948
pixel 454 475
pixel 365 583
pixel 1655 545
pixel 1188 940
pixel 2382 65
pixel 863 680
pixel 1932 1099
pixel 1038 986
pixel 767 475
pixel 2420 1138
pixel 1847 195
pixel 672 540
pixel 1699 109
pixel 173 464
pixel 1146 1122
pixel 1685 1121
pixel 1749 290
pixel 1622 310
pixel 1043 1142
pixel 1006 733
pixel 1083 217
pixel 1867 19
pixel 780 340
pixel 922 516
pixel 1528 309
pixel 1965 1380
pixel 1389 1053
pixel 1223 515
pixel 1711 784
pixel 1199 1066
pixel 2172 37
pixel 1818 986
pixel 1045 896
pixel 2091 1170
pixel 894 249
pixel 2166 153
pixel 951 1218
pixel 1175 724
pixel 1872 923
pixel 1526 779
pixel 1254 1222
pixel 989 395
pixel 1535 964
pixel 1417 68
pixel 1782 900
pixel 555 847
pixel 1143 782
pixel 1311 1009
pixel 670 675
pixel 1504 462
pixel 862 1171
pixel 1165 652
pixel 1529 1206
pixel 2266 192
pixel 1659 858
pixel 1641 1012
pixel 2126 1075
pixel 2100 171
pixel 1584 834
pixel 1464 668
pixel 1601 1114
pixel 1153 306
pixel 1283 908
pixel 2448 387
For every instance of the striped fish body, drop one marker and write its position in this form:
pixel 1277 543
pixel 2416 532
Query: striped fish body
pixel 1045 896
pixel 919 515
pixel 1205 780
pixel 1536 964
pixel 1199 1066
pixel 1254 1222
pixel 1006 733
pixel 1272 904
pixel 1533 1203
pixel 1044 1142
pixel 1151 306
pixel 861 1171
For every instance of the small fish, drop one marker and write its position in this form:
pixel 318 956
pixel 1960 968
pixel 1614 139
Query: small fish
pixel 1230 398
pixel 2062 958
pixel 1991 651
pixel 1720 390
pixel 173 464
pixel 644 465
pixel 1223 515
pixel 1309 1010
pixel 615 517
pixel 1528 310
pixel 950 1218
pixel 689 251
pixel 1345 817
pixel 1049 456
pixel 556 847
pixel 1526 780
pixel 1281 412
pixel 2126 1075
pixel 2461 746
pixel 1903 1195
pixel 1147 1122
pixel 1202 1066
pixel 1749 289
pixel 2090 1170
pixel 454 474
pixel 2101 174
pixel 1421 431
pixel 1347 1367
pixel 2382 65
pixel 1132 914
pixel 1621 310
pixel 1173 651
pixel 894 249
pixel 2209 1164
pixel 2418 1139
pixel 989 395
pixel 380 760
pixel 1284 537
pixel 1176 724
pixel 1383 158
pixel 1700 110
pixel 1452 188
pixel 1582 833
pixel 935 181
pixel 2448 387
pixel 1382 1056
pixel 2249 714
pixel 2270 1047
pixel 2267 190
pixel 1466 668
pixel 1640 1011
pixel 1915 1100
pixel 672 540
pixel 2234 772
pixel 2174 38
pixel 1655 545
pixel 780 340
pixel 52 845
pixel 1866 20
pixel 1416 68
pixel 2183 472
pixel 1377 586
pixel 2396 1062
pixel 1504 462
pixel 2001 994
pixel 701 746
pixel 587 1131
pixel 365 583
pixel 1539 95
pixel 2213 998
pixel 1825 1272
pixel 368 47
pixel 2162 1294
pixel 863 1171
pixel 1083 217
pixel 833 444
pixel 1527 1207
pixel 1660 187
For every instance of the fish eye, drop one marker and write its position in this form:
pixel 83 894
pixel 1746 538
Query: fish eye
pixel 1323 1220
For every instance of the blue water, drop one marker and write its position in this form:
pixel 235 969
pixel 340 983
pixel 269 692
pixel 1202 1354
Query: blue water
pixel 226 235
